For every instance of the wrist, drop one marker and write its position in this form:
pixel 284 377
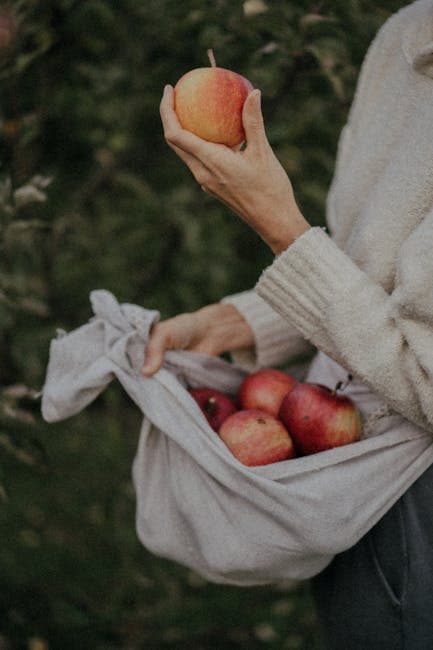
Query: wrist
pixel 293 228
pixel 227 327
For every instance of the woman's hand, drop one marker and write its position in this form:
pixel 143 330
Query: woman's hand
pixel 251 182
pixel 212 330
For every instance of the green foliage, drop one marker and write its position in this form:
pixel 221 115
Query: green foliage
pixel 91 197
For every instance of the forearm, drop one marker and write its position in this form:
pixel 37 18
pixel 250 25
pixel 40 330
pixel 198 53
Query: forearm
pixel 276 341
pixel 281 235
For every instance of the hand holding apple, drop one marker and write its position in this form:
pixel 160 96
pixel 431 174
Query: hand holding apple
pixel 251 182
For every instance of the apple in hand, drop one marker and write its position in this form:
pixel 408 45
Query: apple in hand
pixel 319 418
pixel 256 438
pixel 215 405
pixel 209 101
pixel 265 390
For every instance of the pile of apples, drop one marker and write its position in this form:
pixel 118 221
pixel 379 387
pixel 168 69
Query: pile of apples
pixel 274 417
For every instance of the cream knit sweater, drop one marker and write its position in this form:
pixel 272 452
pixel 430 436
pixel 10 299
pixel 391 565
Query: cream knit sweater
pixel 364 295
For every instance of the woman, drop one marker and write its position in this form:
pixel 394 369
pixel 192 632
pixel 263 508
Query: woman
pixel 362 296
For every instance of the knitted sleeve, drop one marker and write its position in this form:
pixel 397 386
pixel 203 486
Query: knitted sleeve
pixel 385 339
pixel 276 341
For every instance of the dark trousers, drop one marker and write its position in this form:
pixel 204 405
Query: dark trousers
pixel 378 595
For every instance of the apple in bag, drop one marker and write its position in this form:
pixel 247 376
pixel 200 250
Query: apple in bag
pixel 319 418
pixel 265 390
pixel 215 405
pixel 256 438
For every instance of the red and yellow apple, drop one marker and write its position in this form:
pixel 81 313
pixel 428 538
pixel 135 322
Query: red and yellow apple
pixel 319 418
pixel 209 102
pixel 265 390
pixel 256 438
pixel 216 406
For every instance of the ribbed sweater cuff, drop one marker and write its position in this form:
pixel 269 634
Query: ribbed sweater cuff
pixel 305 280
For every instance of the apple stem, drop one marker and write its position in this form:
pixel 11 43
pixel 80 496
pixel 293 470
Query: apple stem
pixel 341 385
pixel 211 58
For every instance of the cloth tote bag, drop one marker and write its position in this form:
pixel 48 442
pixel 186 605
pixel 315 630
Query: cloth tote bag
pixel 196 504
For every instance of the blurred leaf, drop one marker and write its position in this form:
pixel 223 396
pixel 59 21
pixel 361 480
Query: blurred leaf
pixel 25 450
pixel 254 7
pixel 3 495
pixel 18 391
pixel 28 194
pixel 35 643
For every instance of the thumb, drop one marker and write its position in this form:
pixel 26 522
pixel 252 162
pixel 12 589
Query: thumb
pixel 154 355
pixel 252 119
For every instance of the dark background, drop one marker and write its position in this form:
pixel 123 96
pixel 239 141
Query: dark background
pixel 91 197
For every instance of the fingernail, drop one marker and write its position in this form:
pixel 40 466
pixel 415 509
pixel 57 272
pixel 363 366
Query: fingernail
pixel 146 369
pixel 166 88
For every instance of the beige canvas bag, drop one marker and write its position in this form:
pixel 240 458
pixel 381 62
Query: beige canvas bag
pixel 196 504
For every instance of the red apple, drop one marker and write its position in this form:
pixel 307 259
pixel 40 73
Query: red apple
pixel 256 438
pixel 319 418
pixel 209 102
pixel 215 405
pixel 265 390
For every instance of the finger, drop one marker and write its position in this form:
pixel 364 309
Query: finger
pixel 237 147
pixel 198 170
pixel 154 355
pixel 187 158
pixel 209 192
pixel 252 120
pixel 176 135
